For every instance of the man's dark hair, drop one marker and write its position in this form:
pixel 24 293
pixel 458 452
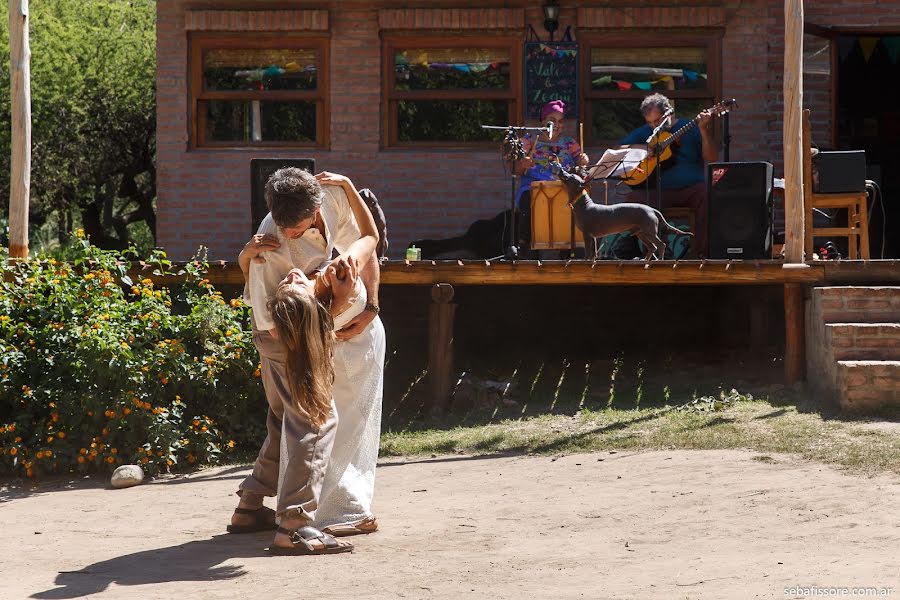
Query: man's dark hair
pixel 655 101
pixel 292 195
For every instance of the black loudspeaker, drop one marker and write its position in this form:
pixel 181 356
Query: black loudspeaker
pixel 839 172
pixel 260 171
pixel 740 210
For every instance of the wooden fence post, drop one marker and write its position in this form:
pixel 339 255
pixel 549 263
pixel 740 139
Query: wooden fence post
pixel 20 109
pixel 440 347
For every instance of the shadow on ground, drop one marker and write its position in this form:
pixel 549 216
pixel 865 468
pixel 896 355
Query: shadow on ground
pixel 194 561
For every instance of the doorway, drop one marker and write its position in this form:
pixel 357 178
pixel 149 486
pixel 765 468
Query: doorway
pixel 868 118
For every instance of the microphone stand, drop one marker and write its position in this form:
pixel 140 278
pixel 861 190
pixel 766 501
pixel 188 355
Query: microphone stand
pixel 512 250
pixel 656 152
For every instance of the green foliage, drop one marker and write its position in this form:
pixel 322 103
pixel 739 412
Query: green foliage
pixel 97 370
pixel 93 66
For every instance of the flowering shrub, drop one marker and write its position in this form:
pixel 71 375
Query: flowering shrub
pixel 97 370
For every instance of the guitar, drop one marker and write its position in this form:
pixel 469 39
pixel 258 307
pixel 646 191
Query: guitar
pixel 664 140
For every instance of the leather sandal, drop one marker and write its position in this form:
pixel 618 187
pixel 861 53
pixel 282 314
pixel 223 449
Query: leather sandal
pixel 301 539
pixel 367 525
pixel 263 520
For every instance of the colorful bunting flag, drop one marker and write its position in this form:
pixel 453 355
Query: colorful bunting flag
pixel 845 46
pixel 868 46
pixel 892 45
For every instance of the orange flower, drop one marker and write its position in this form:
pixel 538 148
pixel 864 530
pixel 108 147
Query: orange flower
pixel 83 451
pixel 81 460
pixel 61 435
pixel 40 455
pixel 49 439
pixel 145 460
pixel 114 450
pixel 126 411
pixel 48 453
pixel 13 451
pixel 110 459
pixel 29 473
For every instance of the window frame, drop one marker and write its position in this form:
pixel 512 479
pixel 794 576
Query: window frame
pixel 391 97
pixel 200 41
pixel 711 40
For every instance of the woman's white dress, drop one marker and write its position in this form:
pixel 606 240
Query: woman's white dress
pixel 349 485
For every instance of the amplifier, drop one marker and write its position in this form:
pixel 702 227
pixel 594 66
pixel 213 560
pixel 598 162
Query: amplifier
pixel 839 172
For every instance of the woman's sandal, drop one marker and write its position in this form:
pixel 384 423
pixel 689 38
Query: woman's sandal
pixel 367 525
pixel 302 538
pixel 263 520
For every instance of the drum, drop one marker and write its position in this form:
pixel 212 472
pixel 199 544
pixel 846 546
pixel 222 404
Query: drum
pixel 551 218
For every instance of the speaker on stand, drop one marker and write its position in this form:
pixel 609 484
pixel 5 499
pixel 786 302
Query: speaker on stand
pixel 740 210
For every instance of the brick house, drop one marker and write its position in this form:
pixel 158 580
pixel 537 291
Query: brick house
pixel 326 86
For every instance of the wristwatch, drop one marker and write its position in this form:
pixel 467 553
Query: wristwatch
pixel 372 307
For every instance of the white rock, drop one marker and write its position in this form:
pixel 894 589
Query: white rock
pixel 127 476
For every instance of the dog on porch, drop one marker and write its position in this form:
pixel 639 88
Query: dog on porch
pixel 598 220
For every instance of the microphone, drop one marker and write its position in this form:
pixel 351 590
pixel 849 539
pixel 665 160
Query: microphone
pixel 549 128
pixel 669 112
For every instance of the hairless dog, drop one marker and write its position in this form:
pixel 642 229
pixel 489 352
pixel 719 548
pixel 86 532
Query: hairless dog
pixel 597 220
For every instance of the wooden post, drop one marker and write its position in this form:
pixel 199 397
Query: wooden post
pixel 794 333
pixel 793 131
pixel 20 108
pixel 440 347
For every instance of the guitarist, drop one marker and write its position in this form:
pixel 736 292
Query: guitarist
pixel 683 182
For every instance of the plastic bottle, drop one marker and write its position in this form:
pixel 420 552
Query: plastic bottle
pixel 412 253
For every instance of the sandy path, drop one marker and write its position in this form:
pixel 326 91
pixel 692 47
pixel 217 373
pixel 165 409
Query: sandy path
pixel 666 525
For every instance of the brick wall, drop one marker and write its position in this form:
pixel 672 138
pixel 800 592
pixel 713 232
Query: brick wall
pixel 204 195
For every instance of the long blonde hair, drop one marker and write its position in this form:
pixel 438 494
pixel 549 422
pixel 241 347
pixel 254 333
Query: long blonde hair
pixel 306 328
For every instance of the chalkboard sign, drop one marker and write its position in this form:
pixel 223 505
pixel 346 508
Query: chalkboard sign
pixel 551 73
pixel 260 171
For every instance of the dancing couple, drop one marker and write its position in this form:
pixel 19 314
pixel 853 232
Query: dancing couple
pixel 321 347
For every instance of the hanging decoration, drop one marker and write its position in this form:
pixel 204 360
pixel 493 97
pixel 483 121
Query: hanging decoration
pixel 868 46
pixel 892 45
pixel 667 80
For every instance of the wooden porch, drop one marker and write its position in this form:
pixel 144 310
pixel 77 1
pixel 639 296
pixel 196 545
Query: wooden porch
pixel 443 275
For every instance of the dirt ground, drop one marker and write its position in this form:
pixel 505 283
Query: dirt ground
pixel 668 525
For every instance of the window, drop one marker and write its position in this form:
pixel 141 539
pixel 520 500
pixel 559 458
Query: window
pixel 622 71
pixel 441 90
pixel 261 90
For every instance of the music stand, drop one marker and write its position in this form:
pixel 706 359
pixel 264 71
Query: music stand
pixel 615 164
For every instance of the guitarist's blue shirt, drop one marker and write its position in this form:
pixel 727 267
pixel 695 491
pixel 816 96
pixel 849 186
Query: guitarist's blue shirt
pixel 686 166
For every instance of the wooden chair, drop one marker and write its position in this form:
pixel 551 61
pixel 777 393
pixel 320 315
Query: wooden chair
pixel 855 203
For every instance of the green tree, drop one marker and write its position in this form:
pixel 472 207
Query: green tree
pixel 93 69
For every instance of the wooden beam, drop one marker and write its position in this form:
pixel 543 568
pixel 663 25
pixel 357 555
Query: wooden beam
pixel 20 109
pixel 691 272
pixel 721 272
pixel 440 347
pixel 794 333
pixel 793 131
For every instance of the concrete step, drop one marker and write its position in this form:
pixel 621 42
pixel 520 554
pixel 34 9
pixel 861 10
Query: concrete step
pixel 867 385
pixel 858 304
pixel 864 341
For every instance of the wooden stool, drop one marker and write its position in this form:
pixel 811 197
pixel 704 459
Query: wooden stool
pixel 855 203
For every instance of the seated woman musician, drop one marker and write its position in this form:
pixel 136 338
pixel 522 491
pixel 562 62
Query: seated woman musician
pixel 536 164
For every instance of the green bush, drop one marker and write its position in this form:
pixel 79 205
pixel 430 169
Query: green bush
pixel 97 370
